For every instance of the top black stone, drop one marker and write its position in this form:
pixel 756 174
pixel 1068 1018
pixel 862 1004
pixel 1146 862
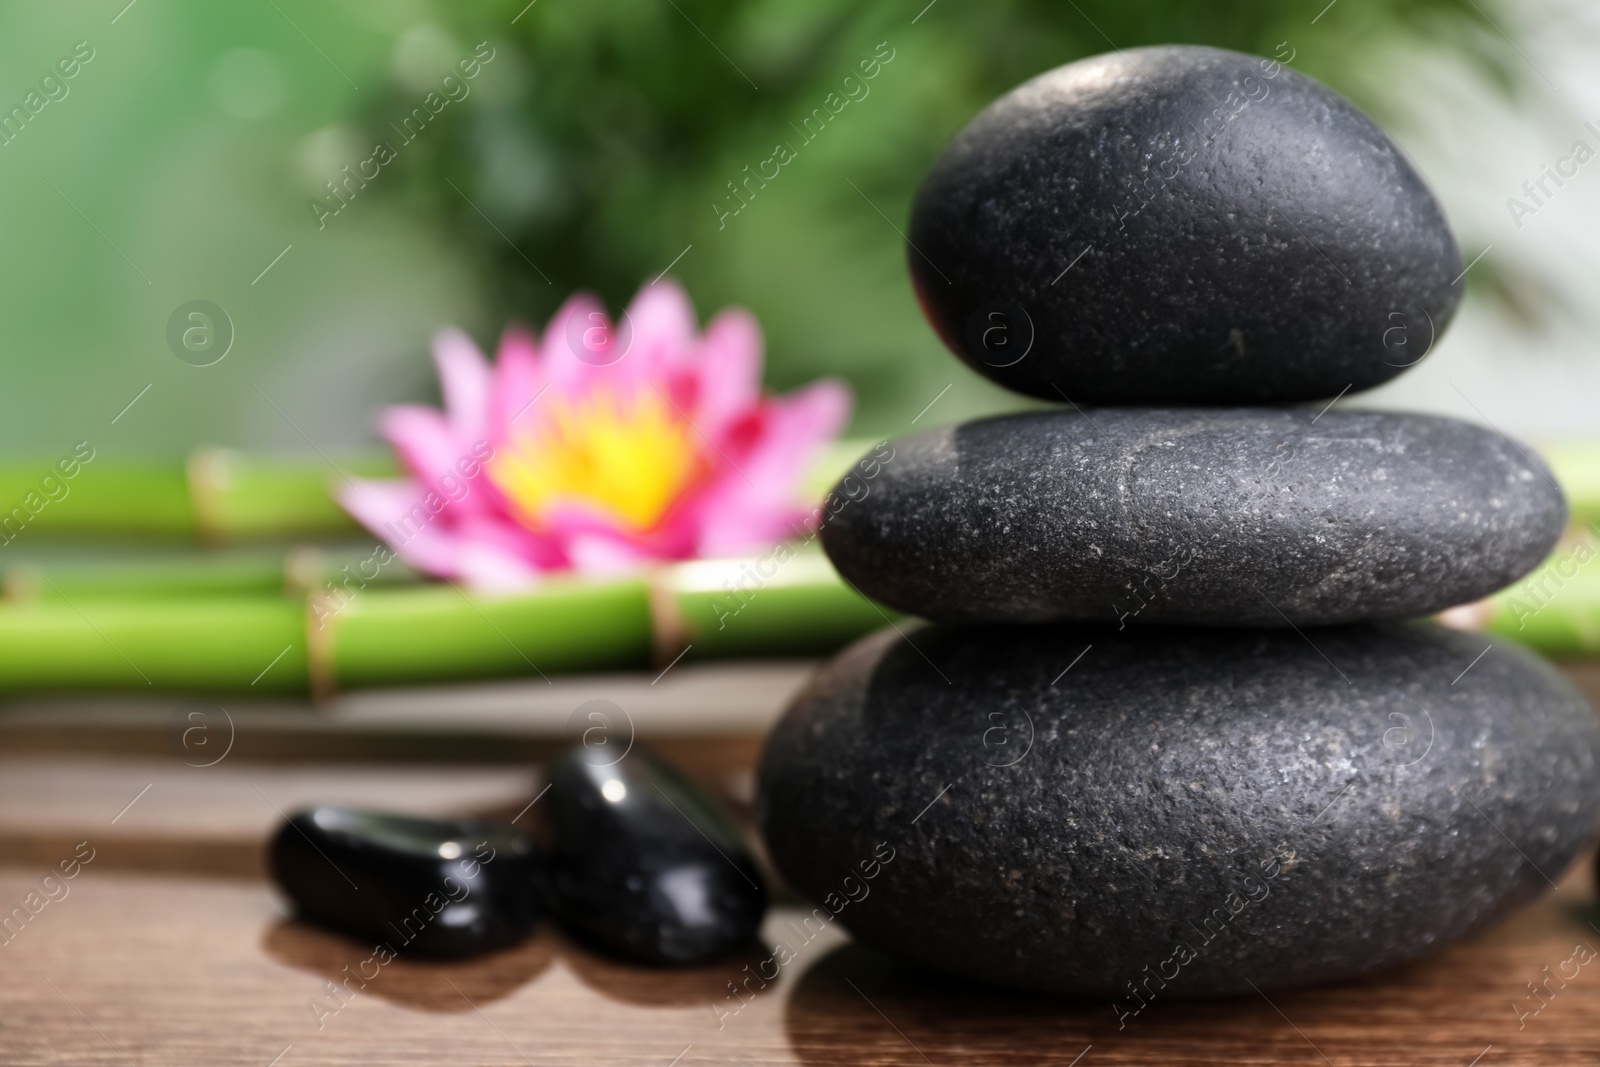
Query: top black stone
pixel 1180 225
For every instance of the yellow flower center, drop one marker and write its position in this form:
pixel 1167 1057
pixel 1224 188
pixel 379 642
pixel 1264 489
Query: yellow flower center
pixel 630 457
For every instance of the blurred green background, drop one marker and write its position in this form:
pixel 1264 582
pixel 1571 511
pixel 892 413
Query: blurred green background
pixel 183 161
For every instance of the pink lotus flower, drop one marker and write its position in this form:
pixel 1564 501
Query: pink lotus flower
pixel 599 448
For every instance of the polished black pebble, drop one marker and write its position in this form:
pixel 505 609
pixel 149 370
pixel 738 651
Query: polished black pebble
pixel 1163 813
pixel 647 866
pixel 423 887
pixel 1181 225
pixel 1208 516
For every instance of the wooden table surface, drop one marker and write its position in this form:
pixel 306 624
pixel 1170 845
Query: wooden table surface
pixel 168 948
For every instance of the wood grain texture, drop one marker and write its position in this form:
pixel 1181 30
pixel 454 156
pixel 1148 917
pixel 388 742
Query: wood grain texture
pixel 133 969
pixel 168 949
pixel 691 706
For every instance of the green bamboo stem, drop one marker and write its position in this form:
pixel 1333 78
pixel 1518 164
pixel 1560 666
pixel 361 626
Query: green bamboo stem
pixel 216 495
pixel 439 633
pixel 201 645
pixel 246 498
pixel 220 495
pixel 258 572
pixel 242 497
pixel 141 499
pixel 1576 466
pixel 768 605
pixel 187 577
pixel 432 633
pixel 1556 609
pixel 783 603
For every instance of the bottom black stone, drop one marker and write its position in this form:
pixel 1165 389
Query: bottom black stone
pixel 1167 812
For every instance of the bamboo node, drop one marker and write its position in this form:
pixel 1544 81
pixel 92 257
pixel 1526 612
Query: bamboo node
pixel 304 570
pixel 22 584
pixel 209 474
pixel 670 631
pixel 322 672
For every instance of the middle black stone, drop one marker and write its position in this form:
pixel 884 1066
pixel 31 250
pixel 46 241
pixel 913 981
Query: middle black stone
pixel 1216 517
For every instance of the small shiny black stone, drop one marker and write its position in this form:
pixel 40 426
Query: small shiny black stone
pixel 424 887
pixel 646 865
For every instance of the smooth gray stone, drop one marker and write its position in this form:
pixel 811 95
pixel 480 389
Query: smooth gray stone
pixel 1180 225
pixel 1288 813
pixel 1226 517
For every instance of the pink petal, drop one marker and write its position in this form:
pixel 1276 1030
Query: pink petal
pixel 675 536
pixel 798 423
pixel 747 502
pixel 375 504
pixel 569 364
pixel 434 454
pixel 487 569
pixel 425 443
pixel 464 383
pixel 565 519
pixel 663 326
pixel 396 512
pixel 488 553
pixel 751 529
pixel 597 543
pixel 757 499
pixel 516 382
pixel 605 556
pixel 728 375
pixel 537 548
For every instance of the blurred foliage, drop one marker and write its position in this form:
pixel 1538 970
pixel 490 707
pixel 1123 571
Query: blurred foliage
pixel 625 120
pixel 594 145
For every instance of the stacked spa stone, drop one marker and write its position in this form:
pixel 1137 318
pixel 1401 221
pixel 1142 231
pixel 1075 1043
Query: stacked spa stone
pixel 1174 729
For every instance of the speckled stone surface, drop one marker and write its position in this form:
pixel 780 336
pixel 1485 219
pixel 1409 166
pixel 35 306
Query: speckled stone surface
pixel 1227 517
pixel 1220 807
pixel 1180 225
